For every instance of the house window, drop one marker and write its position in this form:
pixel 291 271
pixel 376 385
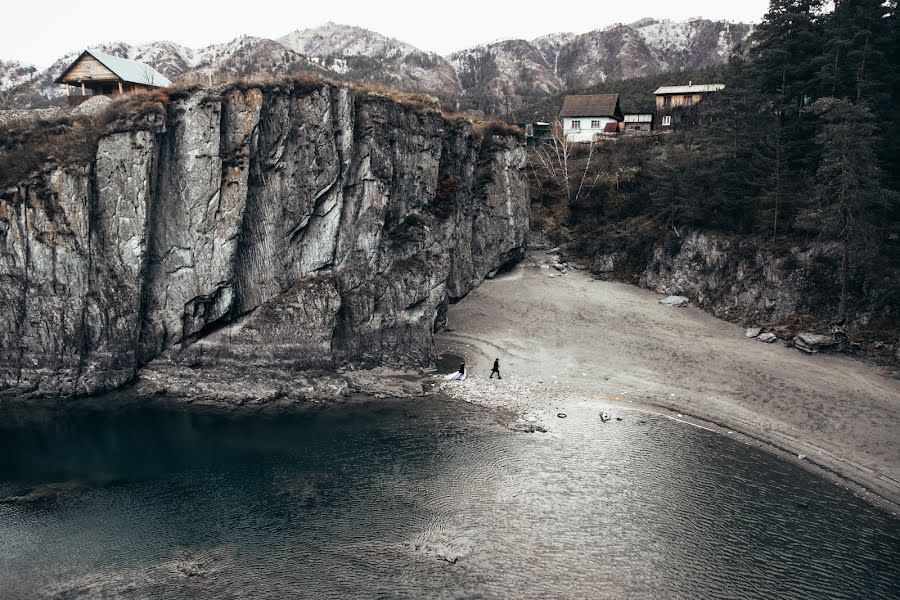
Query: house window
pixel 688 100
pixel 595 124
pixel 576 124
pixel 667 121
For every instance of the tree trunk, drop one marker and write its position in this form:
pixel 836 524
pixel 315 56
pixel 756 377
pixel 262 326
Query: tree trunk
pixel 842 309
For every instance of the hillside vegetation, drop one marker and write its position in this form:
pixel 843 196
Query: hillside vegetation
pixel 780 208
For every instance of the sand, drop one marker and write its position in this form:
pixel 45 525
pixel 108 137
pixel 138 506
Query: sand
pixel 565 340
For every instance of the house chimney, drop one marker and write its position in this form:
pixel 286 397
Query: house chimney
pixel 690 82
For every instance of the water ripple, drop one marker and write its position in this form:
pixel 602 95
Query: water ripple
pixel 403 500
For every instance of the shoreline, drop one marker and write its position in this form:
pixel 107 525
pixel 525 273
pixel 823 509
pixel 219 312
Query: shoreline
pixel 841 416
pixel 862 489
pixel 828 468
pixel 855 479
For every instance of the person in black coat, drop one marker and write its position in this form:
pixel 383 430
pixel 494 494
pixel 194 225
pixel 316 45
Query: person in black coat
pixel 496 369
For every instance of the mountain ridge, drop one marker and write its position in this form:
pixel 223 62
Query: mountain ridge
pixel 492 78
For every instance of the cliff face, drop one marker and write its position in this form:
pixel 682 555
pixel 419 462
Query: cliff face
pixel 299 227
pixel 784 290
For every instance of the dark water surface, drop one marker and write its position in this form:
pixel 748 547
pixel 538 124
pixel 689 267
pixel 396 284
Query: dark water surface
pixel 419 500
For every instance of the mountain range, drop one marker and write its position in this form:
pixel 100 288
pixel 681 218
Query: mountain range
pixel 490 78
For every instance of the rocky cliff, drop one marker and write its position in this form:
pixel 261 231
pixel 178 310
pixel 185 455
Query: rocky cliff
pixel 788 290
pixel 297 228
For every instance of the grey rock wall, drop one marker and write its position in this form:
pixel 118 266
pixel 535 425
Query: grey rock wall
pixel 292 227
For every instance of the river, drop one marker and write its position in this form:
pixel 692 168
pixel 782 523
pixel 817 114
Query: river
pixel 418 499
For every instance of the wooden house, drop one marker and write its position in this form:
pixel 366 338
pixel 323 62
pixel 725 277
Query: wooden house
pixel 586 117
pixel 95 73
pixel 638 123
pixel 676 104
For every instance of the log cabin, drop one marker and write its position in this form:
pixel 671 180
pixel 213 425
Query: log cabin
pixel 675 104
pixel 95 73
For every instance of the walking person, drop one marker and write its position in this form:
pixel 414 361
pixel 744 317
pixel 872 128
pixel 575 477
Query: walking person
pixel 496 369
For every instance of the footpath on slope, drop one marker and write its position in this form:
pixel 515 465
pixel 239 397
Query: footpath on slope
pixel 568 339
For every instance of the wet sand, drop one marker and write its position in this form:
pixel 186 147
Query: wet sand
pixel 568 342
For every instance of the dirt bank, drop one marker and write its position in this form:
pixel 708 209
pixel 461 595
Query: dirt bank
pixel 566 339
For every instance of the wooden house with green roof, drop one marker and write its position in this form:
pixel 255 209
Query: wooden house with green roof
pixel 95 73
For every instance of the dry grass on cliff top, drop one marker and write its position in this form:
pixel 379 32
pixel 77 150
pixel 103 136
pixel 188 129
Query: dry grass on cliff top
pixel 303 83
pixel 32 145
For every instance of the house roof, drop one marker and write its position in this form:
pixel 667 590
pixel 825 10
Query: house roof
pixel 689 89
pixel 130 71
pixel 595 105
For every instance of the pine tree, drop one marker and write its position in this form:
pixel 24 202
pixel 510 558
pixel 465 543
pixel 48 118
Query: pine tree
pixel 848 189
pixel 785 57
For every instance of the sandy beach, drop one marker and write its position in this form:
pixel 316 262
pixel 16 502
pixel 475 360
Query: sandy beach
pixel 570 344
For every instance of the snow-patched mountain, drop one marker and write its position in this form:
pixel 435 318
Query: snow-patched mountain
pixel 504 75
pixel 364 55
pixel 13 73
pixel 494 78
pixel 568 61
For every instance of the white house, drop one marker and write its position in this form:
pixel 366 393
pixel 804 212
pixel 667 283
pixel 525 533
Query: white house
pixel 585 117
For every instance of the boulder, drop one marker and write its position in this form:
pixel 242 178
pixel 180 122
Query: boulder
pixel 607 263
pixel 753 332
pixel 675 301
pixel 767 337
pixel 95 105
pixel 812 343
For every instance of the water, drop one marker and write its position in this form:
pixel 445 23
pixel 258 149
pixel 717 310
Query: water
pixel 422 499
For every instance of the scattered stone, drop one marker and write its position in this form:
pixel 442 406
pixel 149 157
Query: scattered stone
pixel 528 428
pixel 561 415
pixel 443 546
pixel 675 301
pixel 753 332
pixel 767 337
pixel 559 266
pixel 801 456
pixel 812 343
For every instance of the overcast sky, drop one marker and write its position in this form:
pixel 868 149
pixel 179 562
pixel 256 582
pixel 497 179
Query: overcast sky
pixel 40 31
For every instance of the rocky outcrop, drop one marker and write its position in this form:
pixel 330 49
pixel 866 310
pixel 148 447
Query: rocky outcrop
pixel 730 278
pixel 794 291
pixel 298 227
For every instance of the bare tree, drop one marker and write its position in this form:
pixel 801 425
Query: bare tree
pixel 148 75
pixel 556 155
